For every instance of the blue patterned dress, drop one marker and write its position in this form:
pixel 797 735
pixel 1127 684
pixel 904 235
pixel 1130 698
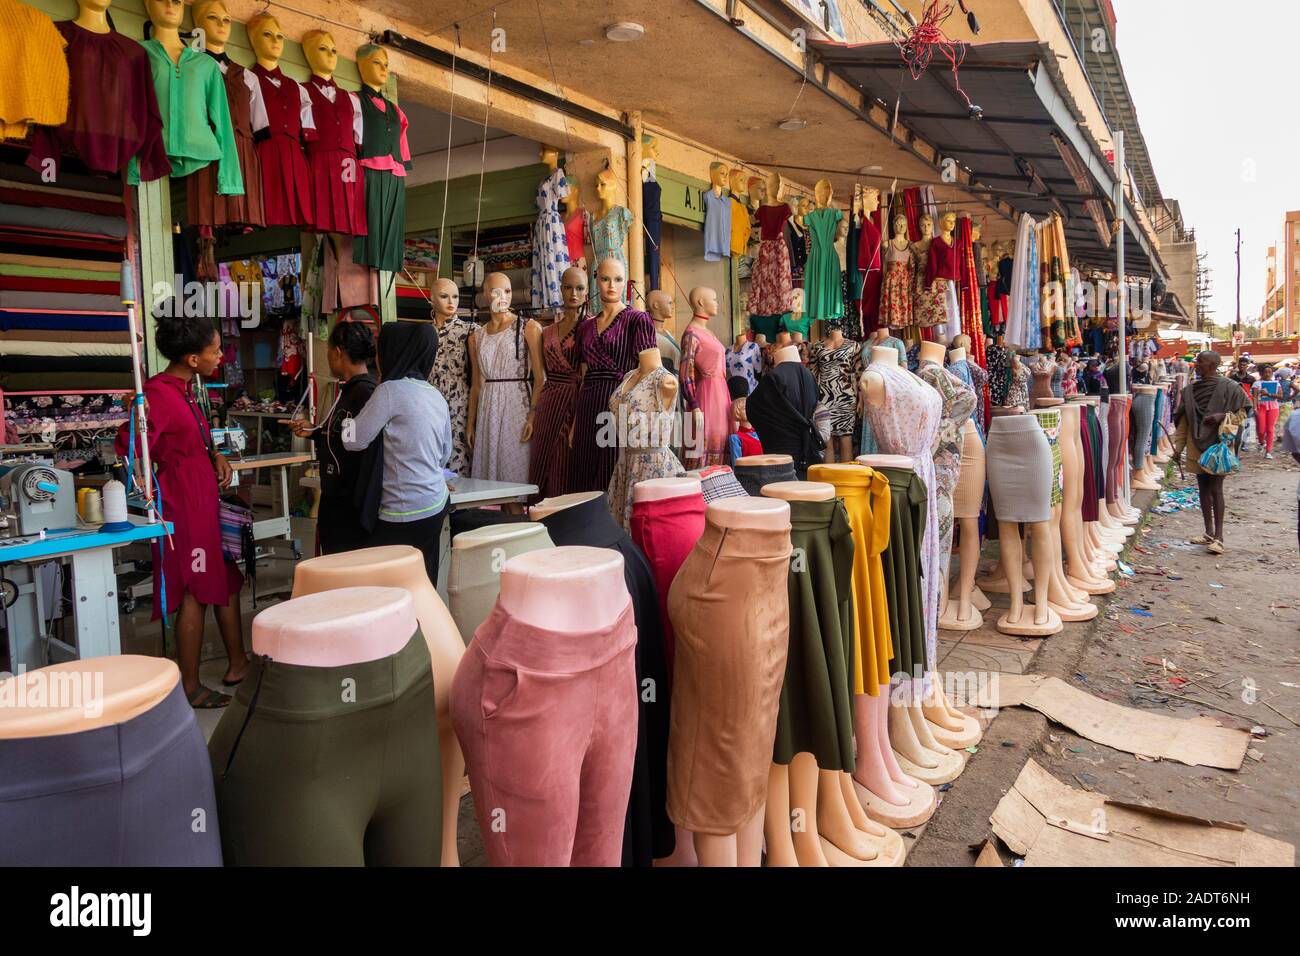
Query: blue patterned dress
pixel 550 244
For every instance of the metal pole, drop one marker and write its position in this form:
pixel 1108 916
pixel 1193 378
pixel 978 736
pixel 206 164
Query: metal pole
pixel 1236 328
pixel 1121 278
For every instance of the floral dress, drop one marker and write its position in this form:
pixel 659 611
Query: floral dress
pixel 745 362
pixel 499 451
pixel 450 376
pixel 1018 392
pixel 550 243
pixel 958 403
pixel 608 238
pixel 837 371
pixel 645 432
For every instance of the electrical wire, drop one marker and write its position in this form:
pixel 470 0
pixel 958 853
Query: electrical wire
pixel 482 163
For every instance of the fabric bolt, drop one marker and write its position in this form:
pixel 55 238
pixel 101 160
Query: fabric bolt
pixel 474 575
pixel 1020 469
pixel 205 205
pixel 753 477
pixel 196 126
pixel 781 410
pixel 62 220
pixel 550 244
pixel 1143 412
pixel 123 794
pixel 745 362
pixel 653 218
pixel 823 294
pixel 607 356
pixel 730 609
pixel 901 567
pixel 338 201
pixel 907 423
pixel 65 349
pixel 717 225
pixel 550 459
pixel 304 774
pixel 609 241
pixel 451 378
pixel 500 454
pixel 815 714
pixel 644 434
pixel 547 720
pixel 867 499
pixel 15 259
pixel 112 112
pixel 61 337
pixel 665 529
pixel 720 482
pixel 53 240
pixel 1050 421
pixel 53 381
pixel 837 371
pixel 286 178
pixel 648 834
pixel 54 272
pixel 23 194
pixel 179 445
pixel 771 291
pixel 704 387
pixel 12 362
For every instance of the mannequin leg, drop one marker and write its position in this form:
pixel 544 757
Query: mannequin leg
pixel 902 734
pixel 959 613
pixel 923 732
pixel 453 773
pixel 861 822
pixel 776 818
pixel 913 801
pixel 938 764
pixel 803 811
pixel 872 771
pixel 834 822
pixel 749 841
pixel 715 850
pixel 882 708
pixel 1021 619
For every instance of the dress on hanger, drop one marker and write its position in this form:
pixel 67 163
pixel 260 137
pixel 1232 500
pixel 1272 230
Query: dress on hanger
pixel 745 362
pixel 205 206
pixel 942 269
pixel 643 451
pixel 770 288
pixel 577 235
pixel 499 452
pixel 896 292
pixel 704 385
pixel 837 371
pixel 451 378
pixel 823 293
pixel 608 356
pixel 740 226
pixel 338 193
pixel 929 298
pixel 551 457
pixel 286 180
pixel 608 239
pixel 550 243
pixel 385 156
pixel 870 263
pixel 717 226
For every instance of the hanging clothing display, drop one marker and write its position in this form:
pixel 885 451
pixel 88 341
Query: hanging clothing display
pixel 958 403
pixel 896 292
pixel 837 371
pixel 815 714
pixel 338 187
pixel 550 460
pixel 647 835
pixel 550 243
pixel 781 410
pixel 871 277
pixel 608 241
pixel 1018 334
pixel 704 386
pixel 35 87
pixel 577 234
pixel 206 205
pixel 653 217
pixel 929 298
pixel 745 362
pixel 386 157
pixel 717 226
pixel 608 356
pixel 970 290
pixel 771 290
pixel 665 529
pixel 901 564
pixel 112 114
pixel 643 451
pixel 942 275
pixel 823 293
pixel 740 226
pixel 286 180
pixel 500 453
pixel 451 377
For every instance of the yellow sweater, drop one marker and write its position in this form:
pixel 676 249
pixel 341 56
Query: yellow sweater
pixel 34 84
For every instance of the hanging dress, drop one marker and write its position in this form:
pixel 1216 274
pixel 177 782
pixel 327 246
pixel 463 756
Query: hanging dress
pixel 286 180
pixel 837 371
pixel 704 383
pixel 550 243
pixel 823 293
pixel 337 184
pixel 771 291
pixel 645 432
pixel 942 270
pixel 896 290
pixel 205 205
pixel 499 452
pixel 551 461
pixel 608 241
pixel 385 156
pixel 652 215
pixel 929 298
pixel 608 356
pixel 451 377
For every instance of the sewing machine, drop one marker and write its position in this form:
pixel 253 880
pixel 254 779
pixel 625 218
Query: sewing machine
pixel 36 497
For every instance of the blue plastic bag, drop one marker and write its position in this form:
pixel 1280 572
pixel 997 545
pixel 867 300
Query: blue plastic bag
pixel 1218 459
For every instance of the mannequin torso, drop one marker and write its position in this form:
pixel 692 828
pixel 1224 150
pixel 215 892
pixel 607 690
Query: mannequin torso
pixel 336 628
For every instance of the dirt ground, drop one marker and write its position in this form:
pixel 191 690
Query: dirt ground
pixel 1215 636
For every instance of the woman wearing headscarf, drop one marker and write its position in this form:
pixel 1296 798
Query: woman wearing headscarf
pixel 402 496
pixel 1211 406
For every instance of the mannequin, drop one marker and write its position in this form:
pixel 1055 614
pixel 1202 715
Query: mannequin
pixel 929 297
pixel 1144 474
pixel 651 210
pixel 896 306
pixel 401 566
pixel 744 360
pixel 450 368
pixel 1018 393
pixel 837 364
pixel 127 719
pixel 823 291
pixel 1020 474
pixel 643 407
pixel 704 383
pixel 609 231
pixel 555 397
pixel 477 556
pixel 833 828
pixel 663 310
pixel 717 214
pixel 742 557
pixel 552 760
pixel 771 291
pixel 959 613
pixel 1069 604
pixel 942 272
pixel 550 240
pixel 338 193
pixel 286 178
pixel 385 156
pixel 870 260
pixel 1044 370
pixel 577 224
pixel 92 15
pixel 501 356
pixel 1081 574
pixel 756 471
pixel 366 641
pixel 740 224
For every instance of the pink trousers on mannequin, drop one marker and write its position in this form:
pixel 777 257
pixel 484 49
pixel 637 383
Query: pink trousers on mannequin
pixel 548 723
pixel 665 530
pixel 1117 446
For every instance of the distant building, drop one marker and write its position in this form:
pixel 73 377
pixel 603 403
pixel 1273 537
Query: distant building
pixel 1280 315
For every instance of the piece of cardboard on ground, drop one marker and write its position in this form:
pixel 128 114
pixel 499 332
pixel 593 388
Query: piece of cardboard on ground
pixel 1199 743
pixel 1051 824
pixel 988 855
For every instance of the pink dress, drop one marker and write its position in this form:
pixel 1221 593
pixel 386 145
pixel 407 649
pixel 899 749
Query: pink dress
pixel 704 384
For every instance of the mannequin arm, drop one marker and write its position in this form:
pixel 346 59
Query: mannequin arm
pixel 476 385
pixel 533 337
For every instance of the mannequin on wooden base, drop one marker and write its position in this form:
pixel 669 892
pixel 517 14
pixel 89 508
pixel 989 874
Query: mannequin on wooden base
pixel 1085 571
pixel 959 612
pixel 1070 605
pixel 402 566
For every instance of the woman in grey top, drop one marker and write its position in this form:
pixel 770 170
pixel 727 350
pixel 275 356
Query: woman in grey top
pixel 402 495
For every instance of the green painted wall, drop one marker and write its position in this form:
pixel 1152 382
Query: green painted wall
pixel 682 197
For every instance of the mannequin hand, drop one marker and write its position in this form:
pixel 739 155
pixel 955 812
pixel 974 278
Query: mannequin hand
pixel 224 472
pixel 527 434
pixel 469 435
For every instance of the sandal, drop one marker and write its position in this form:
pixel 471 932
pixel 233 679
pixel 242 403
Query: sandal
pixel 1215 547
pixel 1200 539
pixel 205 698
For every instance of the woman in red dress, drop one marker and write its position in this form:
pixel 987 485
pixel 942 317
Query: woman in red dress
pixel 194 571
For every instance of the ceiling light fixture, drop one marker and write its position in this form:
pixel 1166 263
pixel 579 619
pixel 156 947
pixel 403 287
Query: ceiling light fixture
pixel 792 124
pixel 624 32
pixel 868 170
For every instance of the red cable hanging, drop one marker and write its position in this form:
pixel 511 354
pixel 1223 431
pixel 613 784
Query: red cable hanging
pixel 917 48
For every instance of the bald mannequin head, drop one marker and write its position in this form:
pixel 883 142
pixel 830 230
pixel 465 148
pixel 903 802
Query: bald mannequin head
pixel 704 301
pixel 573 287
pixel 611 280
pixel 661 306
pixel 446 298
pixel 498 291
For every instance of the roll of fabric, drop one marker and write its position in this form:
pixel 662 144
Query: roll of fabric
pixel 46 335
pixel 59 286
pixel 753 477
pixel 1019 466
pixel 68 271
pixel 23 301
pixel 9 362
pixel 18 239
pixel 45 199
pixel 61 350
pixel 901 565
pixel 54 381
pixel 63 321
pixel 52 262
pixel 63 220
pixel 720 481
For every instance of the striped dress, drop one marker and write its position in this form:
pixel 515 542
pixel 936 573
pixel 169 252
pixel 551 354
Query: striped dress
pixel 608 356
pixel 550 467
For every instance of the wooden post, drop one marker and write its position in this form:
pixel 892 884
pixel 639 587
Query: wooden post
pixel 636 236
pixel 156 265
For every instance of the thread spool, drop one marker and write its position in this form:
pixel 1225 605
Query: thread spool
pixel 81 501
pixel 92 507
pixel 114 508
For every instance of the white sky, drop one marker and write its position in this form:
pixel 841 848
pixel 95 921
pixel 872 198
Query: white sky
pixel 1215 86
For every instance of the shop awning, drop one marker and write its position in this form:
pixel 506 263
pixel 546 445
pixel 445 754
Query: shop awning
pixel 1029 141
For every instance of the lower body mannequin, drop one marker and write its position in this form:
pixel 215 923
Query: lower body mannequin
pixel 425 535
pixel 959 614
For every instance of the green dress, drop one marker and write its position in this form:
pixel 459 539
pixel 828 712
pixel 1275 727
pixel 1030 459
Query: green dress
pixel 823 293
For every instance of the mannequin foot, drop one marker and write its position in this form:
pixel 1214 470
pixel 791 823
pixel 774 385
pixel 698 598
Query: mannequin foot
pixel 937 716
pixel 980 602
pixel 919 808
pixel 1030 621
pixel 953 619
pixel 1074 613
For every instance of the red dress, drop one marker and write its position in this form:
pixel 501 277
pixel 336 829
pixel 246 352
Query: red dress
pixel 869 265
pixel 286 180
pixel 191 558
pixel 337 184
